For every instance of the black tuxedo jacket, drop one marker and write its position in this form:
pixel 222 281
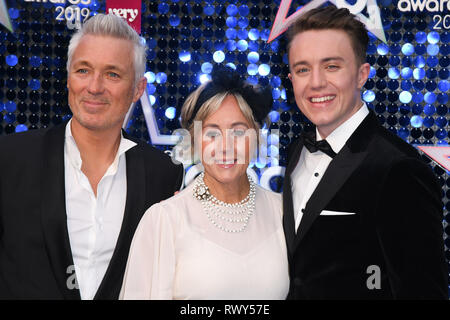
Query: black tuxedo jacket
pixel 396 225
pixel 35 253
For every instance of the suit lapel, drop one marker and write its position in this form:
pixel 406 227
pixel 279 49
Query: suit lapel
pixel 134 208
pixel 337 173
pixel 53 207
pixel 340 169
pixel 288 206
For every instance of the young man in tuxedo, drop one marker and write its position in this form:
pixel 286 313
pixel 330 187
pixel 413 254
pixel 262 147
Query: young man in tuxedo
pixel 362 212
pixel 72 196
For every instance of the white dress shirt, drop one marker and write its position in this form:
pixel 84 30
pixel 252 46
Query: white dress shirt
pixel 312 166
pixel 93 222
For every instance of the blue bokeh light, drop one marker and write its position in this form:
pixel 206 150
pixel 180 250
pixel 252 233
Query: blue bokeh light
pixel 408 49
pixel 161 77
pixel 416 121
pixel 170 112
pixel 13 13
pixel 253 57
pixel 405 97
pixel 276 93
pixel 11 60
pixel 252 69
pixel 430 97
pixel 264 69
pixel 208 10
pixel 407 73
pixel 419 73
pixel 433 37
pixel 242 45
pixel 232 10
pixel 150 77
pixel 421 37
pixel 219 56
pixel 174 20
pixel 253 34
pixel 419 62
pixel 368 96
pixel 207 67
pixel 432 49
pixel 21 128
pixel 382 49
pixel 185 56
pixel 393 73
pixel 204 78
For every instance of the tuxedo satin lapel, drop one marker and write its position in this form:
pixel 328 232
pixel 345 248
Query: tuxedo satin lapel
pixel 53 207
pixel 288 206
pixel 134 208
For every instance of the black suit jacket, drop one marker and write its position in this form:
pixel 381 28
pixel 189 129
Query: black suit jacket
pixel 397 225
pixel 35 253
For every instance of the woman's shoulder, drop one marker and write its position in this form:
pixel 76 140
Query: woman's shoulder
pixel 271 196
pixel 181 197
pixel 173 206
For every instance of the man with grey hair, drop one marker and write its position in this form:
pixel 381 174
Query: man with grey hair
pixel 72 196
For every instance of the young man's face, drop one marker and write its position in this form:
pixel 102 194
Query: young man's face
pixel 326 77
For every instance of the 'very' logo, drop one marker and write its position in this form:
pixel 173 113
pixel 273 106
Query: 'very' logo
pixel 372 22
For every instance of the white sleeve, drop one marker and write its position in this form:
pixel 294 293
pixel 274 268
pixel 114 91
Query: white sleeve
pixel 151 262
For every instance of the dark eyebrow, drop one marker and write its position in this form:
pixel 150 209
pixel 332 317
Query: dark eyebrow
pixel 327 59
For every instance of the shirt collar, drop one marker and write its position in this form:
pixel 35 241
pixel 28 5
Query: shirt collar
pixel 75 157
pixel 341 134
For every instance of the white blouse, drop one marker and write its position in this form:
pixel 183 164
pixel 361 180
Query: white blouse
pixel 177 253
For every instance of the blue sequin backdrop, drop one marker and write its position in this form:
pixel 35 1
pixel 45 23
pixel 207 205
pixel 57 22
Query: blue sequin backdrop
pixel 408 85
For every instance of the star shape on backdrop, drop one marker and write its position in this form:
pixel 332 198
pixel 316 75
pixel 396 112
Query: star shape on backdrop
pixel 4 16
pixel 372 23
pixel 156 137
pixel 439 154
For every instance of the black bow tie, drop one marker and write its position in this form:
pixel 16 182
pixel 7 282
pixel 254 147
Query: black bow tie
pixel 310 143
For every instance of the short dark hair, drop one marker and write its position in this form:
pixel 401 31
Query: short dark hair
pixel 331 17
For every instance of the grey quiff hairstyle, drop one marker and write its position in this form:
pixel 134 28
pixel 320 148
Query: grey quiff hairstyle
pixel 111 26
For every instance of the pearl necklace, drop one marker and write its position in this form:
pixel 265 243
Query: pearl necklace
pixel 217 210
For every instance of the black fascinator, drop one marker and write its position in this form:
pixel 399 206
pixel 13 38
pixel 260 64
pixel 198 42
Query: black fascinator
pixel 226 79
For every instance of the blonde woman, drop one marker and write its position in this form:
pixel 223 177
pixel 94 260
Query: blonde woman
pixel 222 236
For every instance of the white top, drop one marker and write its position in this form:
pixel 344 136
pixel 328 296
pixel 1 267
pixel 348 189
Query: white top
pixel 312 166
pixel 93 222
pixel 177 253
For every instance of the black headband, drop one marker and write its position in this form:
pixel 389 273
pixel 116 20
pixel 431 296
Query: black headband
pixel 225 79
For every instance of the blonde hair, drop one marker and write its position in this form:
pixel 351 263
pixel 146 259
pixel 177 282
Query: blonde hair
pixel 210 106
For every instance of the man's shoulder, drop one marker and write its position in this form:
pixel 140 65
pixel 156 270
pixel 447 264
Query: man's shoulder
pixel 389 152
pixel 16 141
pixel 151 153
pixel 391 146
